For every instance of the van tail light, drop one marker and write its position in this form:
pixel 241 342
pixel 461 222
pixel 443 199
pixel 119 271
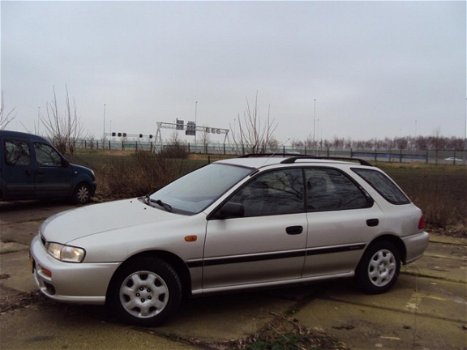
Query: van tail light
pixel 422 223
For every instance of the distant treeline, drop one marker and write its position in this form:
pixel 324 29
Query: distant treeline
pixel 418 143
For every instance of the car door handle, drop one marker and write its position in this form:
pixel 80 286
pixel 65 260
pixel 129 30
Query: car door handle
pixel 40 172
pixel 28 172
pixel 372 222
pixel 294 230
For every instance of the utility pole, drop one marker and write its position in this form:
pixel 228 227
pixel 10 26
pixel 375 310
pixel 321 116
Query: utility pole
pixel 314 121
pixel 465 131
pixel 103 138
pixel 38 119
pixel 196 110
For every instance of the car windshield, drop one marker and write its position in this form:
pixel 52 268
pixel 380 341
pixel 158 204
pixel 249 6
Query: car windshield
pixel 194 192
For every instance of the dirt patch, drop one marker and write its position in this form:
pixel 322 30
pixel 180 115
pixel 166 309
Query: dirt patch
pixel 283 333
pixel 18 301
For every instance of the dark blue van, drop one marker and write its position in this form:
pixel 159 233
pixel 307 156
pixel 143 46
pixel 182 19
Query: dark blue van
pixel 31 168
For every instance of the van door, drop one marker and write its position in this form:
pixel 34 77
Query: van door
pixel 18 171
pixel 53 177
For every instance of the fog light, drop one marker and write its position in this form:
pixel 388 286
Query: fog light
pixel 50 288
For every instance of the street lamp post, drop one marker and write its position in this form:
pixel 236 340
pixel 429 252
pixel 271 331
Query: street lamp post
pixel 196 111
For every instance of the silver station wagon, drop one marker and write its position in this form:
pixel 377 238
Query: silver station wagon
pixel 239 223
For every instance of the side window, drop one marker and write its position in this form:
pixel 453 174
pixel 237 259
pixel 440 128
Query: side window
pixel 330 189
pixel 273 193
pixel 383 185
pixel 17 153
pixel 46 155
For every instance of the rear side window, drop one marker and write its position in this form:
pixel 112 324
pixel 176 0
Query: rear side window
pixel 330 189
pixel 17 153
pixel 383 185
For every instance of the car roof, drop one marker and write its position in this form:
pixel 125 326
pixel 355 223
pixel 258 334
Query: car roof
pixel 21 135
pixel 258 161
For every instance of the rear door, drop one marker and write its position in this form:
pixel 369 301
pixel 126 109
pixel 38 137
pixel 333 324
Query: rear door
pixel 52 177
pixel 18 169
pixel 342 219
pixel 267 243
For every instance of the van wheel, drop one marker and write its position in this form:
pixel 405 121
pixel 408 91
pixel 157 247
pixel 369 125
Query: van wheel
pixel 379 268
pixel 82 194
pixel 145 292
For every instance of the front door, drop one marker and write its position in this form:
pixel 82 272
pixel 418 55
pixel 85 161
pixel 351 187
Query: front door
pixel 267 242
pixel 52 177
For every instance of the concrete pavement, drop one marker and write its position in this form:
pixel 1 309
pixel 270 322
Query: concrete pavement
pixel 426 309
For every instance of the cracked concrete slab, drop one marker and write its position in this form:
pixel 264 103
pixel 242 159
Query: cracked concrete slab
pixel 225 317
pixel 368 327
pixel 425 310
pixel 59 327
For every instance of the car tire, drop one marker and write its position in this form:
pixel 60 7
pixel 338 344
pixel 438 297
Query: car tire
pixel 146 292
pixel 82 194
pixel 379 268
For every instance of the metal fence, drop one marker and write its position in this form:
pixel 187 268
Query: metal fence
pixel 454 157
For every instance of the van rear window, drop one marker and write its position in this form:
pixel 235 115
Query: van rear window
pixel 383 185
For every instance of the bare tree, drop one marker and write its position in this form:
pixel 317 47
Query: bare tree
pixel 251 134
pixel 63 129
pixel 5 117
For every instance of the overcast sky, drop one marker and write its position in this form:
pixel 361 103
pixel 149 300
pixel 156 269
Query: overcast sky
pixel 376 69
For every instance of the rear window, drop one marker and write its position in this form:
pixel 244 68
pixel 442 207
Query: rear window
pixel 383 185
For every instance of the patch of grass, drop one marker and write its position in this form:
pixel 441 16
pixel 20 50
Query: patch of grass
pixel 133 174
pixel 282 333
pixel 440 191
pixel 286 333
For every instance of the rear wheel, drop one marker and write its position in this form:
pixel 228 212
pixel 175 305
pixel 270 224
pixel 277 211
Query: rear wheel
pixel 145 291
pixel 379 268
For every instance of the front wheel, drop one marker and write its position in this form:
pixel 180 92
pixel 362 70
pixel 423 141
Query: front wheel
pixel 379 268
pixel 82 194
pixel 145 292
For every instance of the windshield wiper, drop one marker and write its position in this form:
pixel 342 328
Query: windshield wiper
pixel 160 203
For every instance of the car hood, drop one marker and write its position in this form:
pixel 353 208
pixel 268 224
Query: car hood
pixel 80 168
pixel 77 223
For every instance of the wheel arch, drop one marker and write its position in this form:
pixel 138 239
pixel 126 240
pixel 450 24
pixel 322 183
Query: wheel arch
pixel 173 260
pixel 395 240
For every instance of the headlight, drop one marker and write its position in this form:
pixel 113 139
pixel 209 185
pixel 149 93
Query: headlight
pixel 65 252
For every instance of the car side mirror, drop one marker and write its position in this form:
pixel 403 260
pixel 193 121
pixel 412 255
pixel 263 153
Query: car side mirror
pixel 65 163
pixel 231 210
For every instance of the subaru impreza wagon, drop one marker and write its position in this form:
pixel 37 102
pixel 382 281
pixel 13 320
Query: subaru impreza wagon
pixel 235 224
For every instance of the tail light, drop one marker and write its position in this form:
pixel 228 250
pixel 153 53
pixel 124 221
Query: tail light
pixel 421 223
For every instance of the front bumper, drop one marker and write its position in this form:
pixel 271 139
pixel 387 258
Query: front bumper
pixel 415 245
pixel 84 283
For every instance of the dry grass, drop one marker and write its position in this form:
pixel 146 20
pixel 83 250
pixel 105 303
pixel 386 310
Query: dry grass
pixel 127 175
pixel 440 191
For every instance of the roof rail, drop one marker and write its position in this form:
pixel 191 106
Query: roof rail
pixel 278 154
pixel 293 159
